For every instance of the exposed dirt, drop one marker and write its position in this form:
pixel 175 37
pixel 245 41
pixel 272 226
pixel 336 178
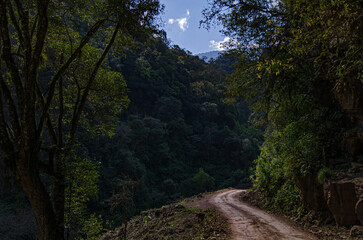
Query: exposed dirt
pixel 174 222
pixel 322 228
pixel 248 222
pixel 222 215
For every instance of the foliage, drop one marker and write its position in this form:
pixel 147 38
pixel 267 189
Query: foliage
pixel 324 174
pixel 203 181
pixel 333 27
pixel 287 199
pixel 92 228
pixel 54 77
pixel 292 55
pixel 82 184
pixel 238 178
pixel 176 121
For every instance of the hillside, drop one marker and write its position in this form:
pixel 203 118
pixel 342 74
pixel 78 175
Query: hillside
pixel 226 214
pixel 207 56
pixel 176 138
pixel 175 221
pixel 102 118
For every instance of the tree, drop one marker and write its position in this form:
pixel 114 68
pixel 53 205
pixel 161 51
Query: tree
pixel 203 181
pixel 299 67
pixel 52 69
pixel 277 41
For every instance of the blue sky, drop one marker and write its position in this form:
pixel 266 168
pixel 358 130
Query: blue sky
pixel 181 23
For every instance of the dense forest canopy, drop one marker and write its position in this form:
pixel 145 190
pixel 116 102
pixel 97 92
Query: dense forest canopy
pixel 101 117
pixel 177 135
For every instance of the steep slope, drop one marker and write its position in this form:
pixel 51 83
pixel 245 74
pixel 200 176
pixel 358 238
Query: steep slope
pixel 177 138
pixel 174 221
pixel 219 215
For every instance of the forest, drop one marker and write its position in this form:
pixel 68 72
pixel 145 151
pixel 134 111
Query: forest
pixel 101 117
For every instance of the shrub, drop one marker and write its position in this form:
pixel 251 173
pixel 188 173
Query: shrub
pixel 323 174
pixel 203 181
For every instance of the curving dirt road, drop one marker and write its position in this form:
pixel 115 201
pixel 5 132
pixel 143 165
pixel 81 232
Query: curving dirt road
pixel 248 222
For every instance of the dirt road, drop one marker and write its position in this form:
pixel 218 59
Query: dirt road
pixel 248 222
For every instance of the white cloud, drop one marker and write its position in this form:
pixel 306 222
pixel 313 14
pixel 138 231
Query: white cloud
pixel 182 22
pixel 225 44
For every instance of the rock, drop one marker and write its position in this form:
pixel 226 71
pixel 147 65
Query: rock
pixel 356 232
pixel 354 145
pixel 350 101
pixel 312 194
pixel 341 200
pixel 359 191
pixel 359 210
pixel 357 165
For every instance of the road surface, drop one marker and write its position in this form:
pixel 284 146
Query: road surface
pixel 248 222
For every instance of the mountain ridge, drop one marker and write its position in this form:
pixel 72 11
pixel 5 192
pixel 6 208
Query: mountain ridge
pixel 207 56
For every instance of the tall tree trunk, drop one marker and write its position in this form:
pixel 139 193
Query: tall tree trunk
pixel 59 190
pixel 40 201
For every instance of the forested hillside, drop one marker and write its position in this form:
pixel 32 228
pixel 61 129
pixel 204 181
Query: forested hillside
pixel 101 117
pixel 176 138
pixel 209 55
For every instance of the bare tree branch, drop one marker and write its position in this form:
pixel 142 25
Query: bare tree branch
pixel 15 23
pixel 76 117
pixel 49 125
pixel 27 46
pixel 41 34
pixel 7 55
pixel 14 117
pixel 62 70
pixel 60 116
pixel 5 140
